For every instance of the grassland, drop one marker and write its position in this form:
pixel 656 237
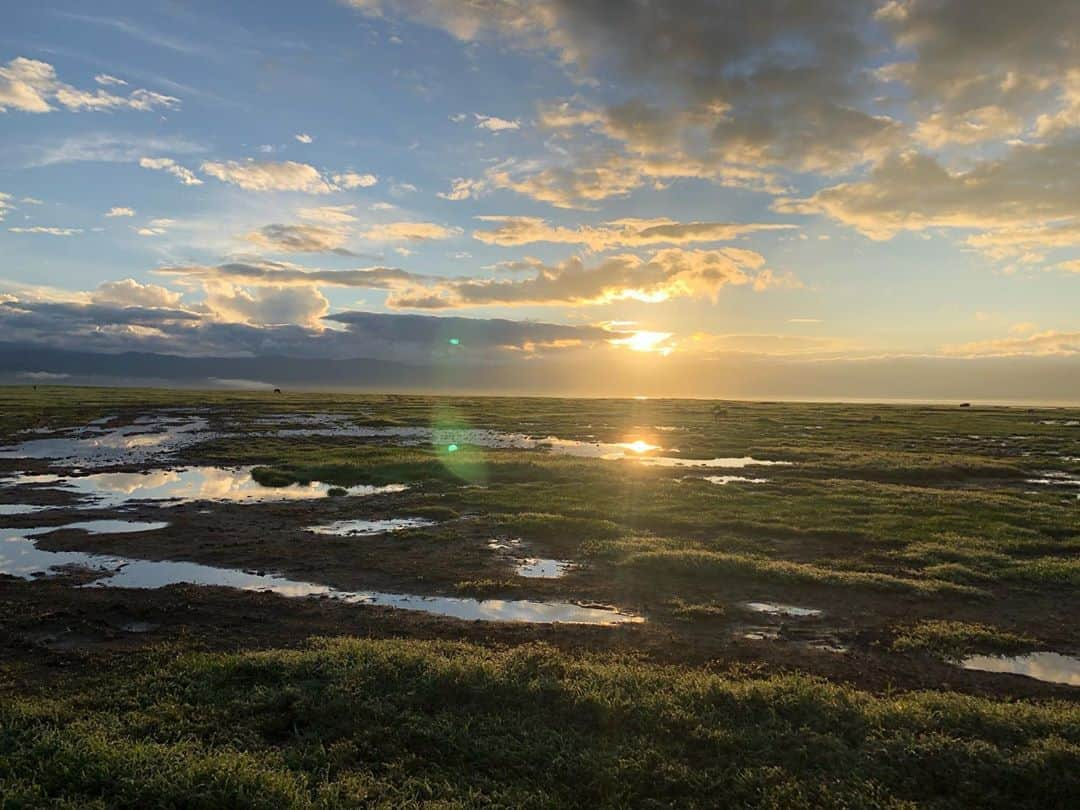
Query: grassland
pixel 919 531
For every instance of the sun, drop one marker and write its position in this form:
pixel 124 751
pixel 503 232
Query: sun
pixel 644 341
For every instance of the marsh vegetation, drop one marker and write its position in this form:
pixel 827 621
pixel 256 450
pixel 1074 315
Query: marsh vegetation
pixel 796 636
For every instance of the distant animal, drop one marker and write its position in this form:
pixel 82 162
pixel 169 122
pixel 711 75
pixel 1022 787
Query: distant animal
pixel 719 412
pixel 965 404
pixel 277 390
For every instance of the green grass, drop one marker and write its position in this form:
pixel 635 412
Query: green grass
pixel 399 723
pixel 702 565
pixel 953 640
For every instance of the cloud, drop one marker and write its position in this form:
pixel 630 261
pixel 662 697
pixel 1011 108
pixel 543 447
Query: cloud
pixel 966 55
pixel 282 274
pixel 494 124
pixel 595 176
pixel 408 232
pixel 5 205
pixel 120 211
pixel 351 180
pixel 518 230
pixel 128 292
pixel 29 85
pixel 303 137
pixel 471 334
pixel 105 80
pixel 255 175
pixel 462 188
pixel 48 230
pixel 184 175
pixel 107 147
pixel 328 214
pixel 1043 344
pixel 267 306
pixel 665 275
pixel 301 239
pixel 748 87
pixel 156 227
pixel 1024 188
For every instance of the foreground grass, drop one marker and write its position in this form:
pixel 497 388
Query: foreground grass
pixel 399 723
pixel 953 640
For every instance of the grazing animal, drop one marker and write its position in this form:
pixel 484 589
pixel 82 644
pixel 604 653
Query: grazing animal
pixel 277 390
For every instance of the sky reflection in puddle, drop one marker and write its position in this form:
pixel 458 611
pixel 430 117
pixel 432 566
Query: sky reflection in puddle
pixel 363 528
pixel 609 451
pixel 1051 667
pixel 20 557
pixel 189 484
pixel 778 609
pixel 539 568
pixel 732 479
pixel 93 445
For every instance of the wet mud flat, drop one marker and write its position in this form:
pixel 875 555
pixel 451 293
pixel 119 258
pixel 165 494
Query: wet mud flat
pixel 434 555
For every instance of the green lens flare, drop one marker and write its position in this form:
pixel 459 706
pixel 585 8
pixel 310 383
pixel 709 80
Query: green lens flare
pixel 455 342
pixel 451 443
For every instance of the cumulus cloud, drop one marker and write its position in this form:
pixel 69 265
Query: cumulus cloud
pixel 736 89
pixel 129 292
pixel 964 56
pixel 351 180
pixel 29 85
pixel 517 230
pixel 462 188
pixel 494 124
pixel 267 306
pixel 666 274
pixel 105 80
pixel 258 175
pixel 184 175
pixel 303 137
pixel 914 191
pixel 120 211
pixel 5 205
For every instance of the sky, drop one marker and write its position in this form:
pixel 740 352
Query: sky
pixel 797 198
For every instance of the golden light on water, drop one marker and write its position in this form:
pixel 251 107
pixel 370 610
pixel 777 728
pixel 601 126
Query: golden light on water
pixel 639 446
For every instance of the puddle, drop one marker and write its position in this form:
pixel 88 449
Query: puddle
pixel 20 557
pixel 538 568
pixel 139 627
pixel 722 463
pixel 530 567
pixel 1056 479
pixel 187 485
pixel 732 479
pixel 493 439
pixel 778 609
pixel 94 445
pixel 104 527
pixel 362 528
pixel 1051 667
pixel 20 509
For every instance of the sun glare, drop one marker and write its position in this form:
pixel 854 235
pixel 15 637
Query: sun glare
pixel 640 446
pixel 644 341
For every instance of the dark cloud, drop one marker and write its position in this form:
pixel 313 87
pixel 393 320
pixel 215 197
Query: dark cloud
pixel 301 239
